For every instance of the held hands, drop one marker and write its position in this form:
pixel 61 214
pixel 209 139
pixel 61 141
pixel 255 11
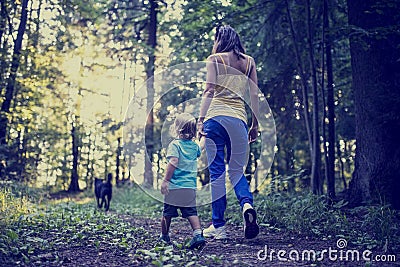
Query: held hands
pixel 253 134
pixel 200 130
pixel 164 187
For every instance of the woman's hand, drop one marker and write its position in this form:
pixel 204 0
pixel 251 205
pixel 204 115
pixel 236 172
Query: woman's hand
pixel 253 134
pixel 200 130
pixel 164 187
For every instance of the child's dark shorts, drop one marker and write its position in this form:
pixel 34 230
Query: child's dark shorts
pixel 183 199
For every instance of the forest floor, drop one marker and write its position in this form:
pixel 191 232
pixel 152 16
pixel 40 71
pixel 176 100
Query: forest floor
pixel 234 251
pixel 72 232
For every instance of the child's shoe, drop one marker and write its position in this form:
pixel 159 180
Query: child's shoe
pixel 165 239
pixel 197 242
pixel 217 233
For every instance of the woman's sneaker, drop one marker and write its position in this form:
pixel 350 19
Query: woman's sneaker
pixel 251 228
pixel 197 242
pixel 217 233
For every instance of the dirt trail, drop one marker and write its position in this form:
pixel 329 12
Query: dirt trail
pixel 235 251
pixel 238 251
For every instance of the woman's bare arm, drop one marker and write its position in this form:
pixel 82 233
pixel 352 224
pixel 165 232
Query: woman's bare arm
pixel 208 93
pixel 254 104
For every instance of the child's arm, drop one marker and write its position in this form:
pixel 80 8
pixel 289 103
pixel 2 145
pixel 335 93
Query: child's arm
pixel 173 162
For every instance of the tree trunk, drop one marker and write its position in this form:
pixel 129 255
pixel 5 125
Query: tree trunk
pixel 341 164
pixel 304 86
pixel 152 43
pixel 3 21
pixel 89 174
pixel 74 185
pixel 117 162
pixel 10 87
pixel 3 42
pixel 316 182
pixel 330 165
pixel 375 66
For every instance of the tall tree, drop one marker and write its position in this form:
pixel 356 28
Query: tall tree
pixel 375 56
pixel 134 27
pixel 316 181
pixel 151 43
pixel 3 19
pixel 10 86
pixel 74 183
pixel 312 127
pixel 330 104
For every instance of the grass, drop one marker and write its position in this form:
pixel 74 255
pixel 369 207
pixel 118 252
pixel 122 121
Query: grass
pixel 29 233
pixel 11 207
pixel 33 233
pixel 310 215
pixel 134 201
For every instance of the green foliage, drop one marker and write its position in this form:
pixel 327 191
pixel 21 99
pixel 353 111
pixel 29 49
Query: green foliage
pixel 36 237
pixel 134 201
pixel 382 223
pixel 307 214
pixel 11 207
pixel 44 105
pixel 162 255
pixel 310 215
pixel 304 214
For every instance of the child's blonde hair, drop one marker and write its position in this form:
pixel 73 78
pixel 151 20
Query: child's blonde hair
pixel 184 126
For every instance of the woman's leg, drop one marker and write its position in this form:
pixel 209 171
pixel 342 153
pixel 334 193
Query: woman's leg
pixel 215 149
pixel 238 153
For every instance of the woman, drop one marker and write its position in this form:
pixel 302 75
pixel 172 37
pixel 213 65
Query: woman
pixel 231 74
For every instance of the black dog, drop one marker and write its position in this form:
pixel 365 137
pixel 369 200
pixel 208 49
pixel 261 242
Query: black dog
pixel 103 192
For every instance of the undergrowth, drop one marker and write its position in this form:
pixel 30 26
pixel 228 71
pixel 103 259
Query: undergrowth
pixel 311 215
pixel 134 201
pixel 30 238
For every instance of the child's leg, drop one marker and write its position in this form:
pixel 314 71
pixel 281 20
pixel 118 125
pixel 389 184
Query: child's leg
pixel 165 224
pixel 198 240
pixel 194 222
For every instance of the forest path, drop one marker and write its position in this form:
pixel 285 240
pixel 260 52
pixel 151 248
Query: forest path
pixel 234 251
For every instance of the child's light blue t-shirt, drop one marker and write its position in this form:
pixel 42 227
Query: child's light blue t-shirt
pixel 185 173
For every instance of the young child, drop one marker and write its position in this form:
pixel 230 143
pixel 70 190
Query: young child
pixel 179 184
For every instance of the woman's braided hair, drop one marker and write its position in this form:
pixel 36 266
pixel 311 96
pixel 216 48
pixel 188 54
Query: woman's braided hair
pixel 226 40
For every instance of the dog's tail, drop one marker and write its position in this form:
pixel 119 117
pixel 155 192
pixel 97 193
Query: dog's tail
pixel 109 178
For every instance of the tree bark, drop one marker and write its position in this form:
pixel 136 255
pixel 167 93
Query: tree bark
pixel 3 21
pixel 152 43
pixel 330 165
pixel 118 162
pixel 316 181
pixel 10 87
pixel 375 67
pixel 74 185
